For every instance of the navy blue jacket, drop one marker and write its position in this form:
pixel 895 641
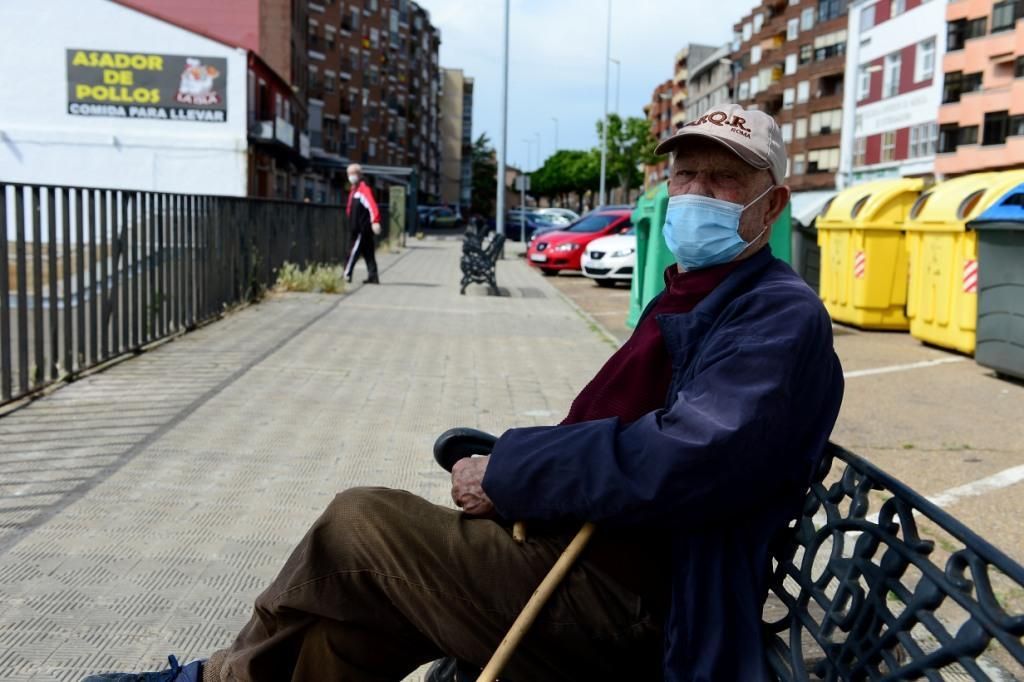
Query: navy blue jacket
pixel 756 388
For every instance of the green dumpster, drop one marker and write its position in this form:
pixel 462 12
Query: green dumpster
pixel 652 256
pixel 781 239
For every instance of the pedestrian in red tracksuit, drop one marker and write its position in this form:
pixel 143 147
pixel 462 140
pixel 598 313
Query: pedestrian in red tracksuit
pixel 364 223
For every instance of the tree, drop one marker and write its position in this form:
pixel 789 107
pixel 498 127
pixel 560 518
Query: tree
pixel 630 146
pixel 567 171
pixel 485 176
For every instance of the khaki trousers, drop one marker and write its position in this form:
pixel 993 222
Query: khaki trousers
pixel 385 581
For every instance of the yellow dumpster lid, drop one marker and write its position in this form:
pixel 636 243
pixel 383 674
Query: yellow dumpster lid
pixel 951 204
pixel 880 204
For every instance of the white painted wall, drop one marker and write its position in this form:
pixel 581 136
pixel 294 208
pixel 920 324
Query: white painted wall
pixel 927 20
pixel 41 143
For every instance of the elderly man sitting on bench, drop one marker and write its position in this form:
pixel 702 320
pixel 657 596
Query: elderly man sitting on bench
pixel 690 448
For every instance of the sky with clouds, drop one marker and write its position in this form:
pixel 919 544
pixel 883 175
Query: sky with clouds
pixel 556 58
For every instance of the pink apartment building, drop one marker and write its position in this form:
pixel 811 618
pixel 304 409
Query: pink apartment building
pixel 981 120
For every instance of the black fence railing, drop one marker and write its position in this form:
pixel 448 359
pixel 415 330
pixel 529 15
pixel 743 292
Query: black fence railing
pixel 88 275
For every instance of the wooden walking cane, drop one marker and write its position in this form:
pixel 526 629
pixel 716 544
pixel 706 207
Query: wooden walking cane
pixel 536 602
pixel 458 443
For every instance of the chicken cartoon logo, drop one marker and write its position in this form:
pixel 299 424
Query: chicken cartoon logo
pixel 196 85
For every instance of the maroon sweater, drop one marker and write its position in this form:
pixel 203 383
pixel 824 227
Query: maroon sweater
pixel 636 378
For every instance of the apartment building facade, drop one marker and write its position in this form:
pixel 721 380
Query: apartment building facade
pixel 788 59
pixel 679 77
pixel 981 120
pixel 374 89
pixel 456 127
pixel 659 113
pixel 709 81
pixel 893 89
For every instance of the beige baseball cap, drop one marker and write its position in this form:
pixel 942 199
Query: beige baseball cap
pixel 752 135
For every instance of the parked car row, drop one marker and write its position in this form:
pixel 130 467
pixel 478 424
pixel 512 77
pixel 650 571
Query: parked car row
pixel 439 217
pixel 602 244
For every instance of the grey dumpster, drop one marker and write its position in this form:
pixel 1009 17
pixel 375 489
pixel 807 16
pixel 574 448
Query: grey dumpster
pixel 1000 336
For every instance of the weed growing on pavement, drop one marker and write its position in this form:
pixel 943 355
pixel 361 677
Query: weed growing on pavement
pixel 317 278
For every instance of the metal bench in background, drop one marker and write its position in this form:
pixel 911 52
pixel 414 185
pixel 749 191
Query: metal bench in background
pixel 479 259
pixel 856 592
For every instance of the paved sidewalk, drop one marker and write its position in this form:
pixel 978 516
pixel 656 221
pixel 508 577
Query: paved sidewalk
pixel 143 508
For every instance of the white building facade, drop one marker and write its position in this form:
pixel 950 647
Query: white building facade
pixel 112 97
pixel 892 89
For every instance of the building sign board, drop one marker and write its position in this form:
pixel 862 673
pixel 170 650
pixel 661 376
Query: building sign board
pixel 147 86
pixel 902 111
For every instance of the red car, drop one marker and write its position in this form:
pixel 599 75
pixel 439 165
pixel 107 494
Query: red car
pixel 561 249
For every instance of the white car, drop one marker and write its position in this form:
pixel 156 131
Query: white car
pixel 610 259
pixel 562 216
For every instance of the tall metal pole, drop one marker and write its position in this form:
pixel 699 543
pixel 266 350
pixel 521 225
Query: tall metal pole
pixel 604 125
pixel 554 149
pixel 503 151
pixel 618 76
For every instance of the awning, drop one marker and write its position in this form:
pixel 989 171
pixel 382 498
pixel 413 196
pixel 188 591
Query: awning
pixel 805 206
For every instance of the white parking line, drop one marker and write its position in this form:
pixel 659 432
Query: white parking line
pixel 1002 479
pixel 900 368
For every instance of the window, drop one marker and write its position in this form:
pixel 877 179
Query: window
pixel 806 53
pixel 790 64
pixel 826 122
pixel 329 81
pixel 897 7
pixel 1018 67
pixel 924 62
pixel 803 91
pixel 755 86
pixel 830 9
pixel 922 140
pixel 891 75
pixel 744 92
pixel 748 31
pixel 330 34
pixel 889 146
pixel 787 132
pixel 867 18
pixel 960 31
pixel 371 149
pixel 755 54
pixel 758 22
pixel 860 151
pixel 948 138
pixel 863 83
pixel 997 124
pixel 798 164
pixel 829 45
pixel 787 98
pixel 374 38
pixel 957 83
pixel 807 19
pixel 822 160
pixel 1005 15
pixel 792 28
pixel 737 40
pixel 801 128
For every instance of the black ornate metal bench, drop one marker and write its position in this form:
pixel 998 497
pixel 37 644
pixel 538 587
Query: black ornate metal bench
pixel 865 597
pixel 858 594
pixel 479 260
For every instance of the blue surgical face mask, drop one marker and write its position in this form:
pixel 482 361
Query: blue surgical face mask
pixel 702 231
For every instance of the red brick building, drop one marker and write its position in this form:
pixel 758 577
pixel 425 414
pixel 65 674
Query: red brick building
pixel 659 113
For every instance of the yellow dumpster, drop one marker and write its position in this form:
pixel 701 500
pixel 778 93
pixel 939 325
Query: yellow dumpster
pixel 943 299
pixel 863 255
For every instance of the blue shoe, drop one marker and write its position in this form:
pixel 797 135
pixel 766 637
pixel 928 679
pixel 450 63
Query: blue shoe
pixel 193 672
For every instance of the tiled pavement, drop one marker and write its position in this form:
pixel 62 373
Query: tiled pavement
pixel 143 508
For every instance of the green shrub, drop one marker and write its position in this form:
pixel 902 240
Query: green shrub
pixel 316 278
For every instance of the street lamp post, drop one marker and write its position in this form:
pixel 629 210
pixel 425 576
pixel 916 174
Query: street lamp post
pixel 604 126
pixel 500 205
pixel 618 74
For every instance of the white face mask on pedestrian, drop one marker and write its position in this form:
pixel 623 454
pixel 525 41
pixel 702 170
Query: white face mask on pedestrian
pixel 353 179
